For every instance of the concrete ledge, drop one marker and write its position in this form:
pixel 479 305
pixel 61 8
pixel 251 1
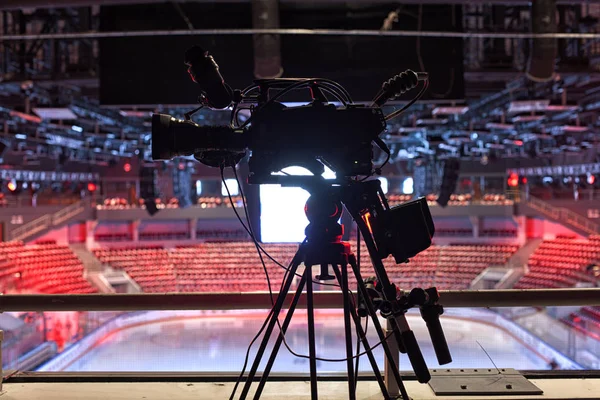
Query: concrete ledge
pixel 553 389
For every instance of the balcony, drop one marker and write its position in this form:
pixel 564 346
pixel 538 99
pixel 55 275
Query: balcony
pixel 188 346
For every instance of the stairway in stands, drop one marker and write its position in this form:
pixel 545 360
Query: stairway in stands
pixel 80 210
pixel 94 270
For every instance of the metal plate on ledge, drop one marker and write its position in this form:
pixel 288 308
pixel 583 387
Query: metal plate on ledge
pixel 472 382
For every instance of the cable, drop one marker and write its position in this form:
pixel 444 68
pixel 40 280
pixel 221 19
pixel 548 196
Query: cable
pixel 298 85
pixel 251 232
pixel 265 267
pixel 239 379
pixel 357 351
pixel 256 241
pixel 358 339
pixel 410 103
pixel 285 276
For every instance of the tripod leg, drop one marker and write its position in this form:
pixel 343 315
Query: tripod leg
pixel 276 309
pixel 366 345
pixel 312 352
pixel 275 350
pixel 348 329
pixel 362 289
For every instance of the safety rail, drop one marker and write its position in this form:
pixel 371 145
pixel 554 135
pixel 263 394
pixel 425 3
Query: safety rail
pixel 563 214
pixel 31 228
pixel 69 212
pixel 261 300
pixel 176 302
pixel 47 221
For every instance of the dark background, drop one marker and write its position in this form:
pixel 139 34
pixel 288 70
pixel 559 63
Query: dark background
pixel 150 70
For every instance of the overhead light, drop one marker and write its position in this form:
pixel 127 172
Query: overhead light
pixel 232 185
pixel 574 129
pixel 135 114
pixel 449 110
pixel 384 184
pixel 527 106
pixel 513 180
pixel 527 118
pixel 77 128
pixel 499 126
pixel 20 136
pixel 591 179
pixel 432 121
pixel 55 113
pixel 26 117
pixel 408 186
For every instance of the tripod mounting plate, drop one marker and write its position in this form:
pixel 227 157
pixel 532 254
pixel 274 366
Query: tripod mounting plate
pixel 481 381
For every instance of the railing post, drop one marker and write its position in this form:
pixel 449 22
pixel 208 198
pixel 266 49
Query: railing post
pixel 1 372
pixel 390 381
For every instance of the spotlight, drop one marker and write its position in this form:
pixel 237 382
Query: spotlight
pixel 591 179
pixel 513 180
pixel 384 184
pixel 233 187
pixel 12 185
pixel 408 186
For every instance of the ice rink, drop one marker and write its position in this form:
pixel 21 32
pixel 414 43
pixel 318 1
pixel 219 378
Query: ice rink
pixel 218 342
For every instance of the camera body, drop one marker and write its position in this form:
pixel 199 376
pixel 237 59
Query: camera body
pixel 313 136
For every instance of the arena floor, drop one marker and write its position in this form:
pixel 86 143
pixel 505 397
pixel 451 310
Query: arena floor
pixel 218 343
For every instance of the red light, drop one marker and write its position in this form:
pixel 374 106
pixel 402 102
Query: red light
pixel 367 219
pixel 519 142
pixel 591 179
pixel 12 186
pixel 524 180
pixel 91 187
pixel 513 180
pixel 127 167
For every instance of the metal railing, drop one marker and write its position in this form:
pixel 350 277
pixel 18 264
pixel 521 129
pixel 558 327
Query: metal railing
pixel 563 215
pixel 261 300
pixel 69 212
pixel 31 228
pixel 47 221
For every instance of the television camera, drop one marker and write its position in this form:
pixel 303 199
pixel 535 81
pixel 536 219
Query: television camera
pixel 329 131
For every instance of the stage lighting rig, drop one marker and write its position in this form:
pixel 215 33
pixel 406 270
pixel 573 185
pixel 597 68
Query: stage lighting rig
pixel 337 134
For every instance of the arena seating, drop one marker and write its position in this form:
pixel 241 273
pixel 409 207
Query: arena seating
pixel 235 266
pixel 565 262
pixel 446 267
pixel 120 203
pixel 586 320
pixel 150 267
pixel 41 268
pixel 455 199
pixel 562 263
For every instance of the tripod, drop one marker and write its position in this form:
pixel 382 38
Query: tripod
pixel 323 247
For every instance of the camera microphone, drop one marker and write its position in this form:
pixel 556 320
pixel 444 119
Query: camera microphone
pixel 204 70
